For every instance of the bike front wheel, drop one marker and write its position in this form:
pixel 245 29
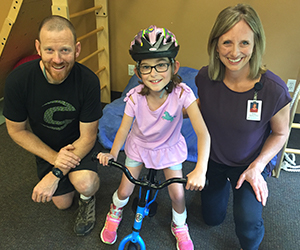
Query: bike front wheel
pixel 133 246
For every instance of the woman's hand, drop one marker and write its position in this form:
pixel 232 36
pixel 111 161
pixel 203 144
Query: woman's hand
pixel 257 182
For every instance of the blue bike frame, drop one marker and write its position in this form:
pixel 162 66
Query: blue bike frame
pixel 141 212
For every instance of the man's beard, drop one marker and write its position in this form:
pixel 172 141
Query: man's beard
pixel 58 77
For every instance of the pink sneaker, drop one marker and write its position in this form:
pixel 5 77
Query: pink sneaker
pixel 182 236
pixel 109 232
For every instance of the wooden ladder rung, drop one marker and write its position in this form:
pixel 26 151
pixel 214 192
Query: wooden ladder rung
pixel 99 70
pixel 292 151
pixel 295 125
pixel 91 55
pixel 90 34
pixel 81 13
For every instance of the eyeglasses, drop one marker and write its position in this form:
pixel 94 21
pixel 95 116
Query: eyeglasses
pixel 160 68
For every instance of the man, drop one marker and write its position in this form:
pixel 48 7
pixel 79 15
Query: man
pixel 60 100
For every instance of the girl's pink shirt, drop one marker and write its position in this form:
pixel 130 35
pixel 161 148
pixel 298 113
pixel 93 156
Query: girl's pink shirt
pixel 155 137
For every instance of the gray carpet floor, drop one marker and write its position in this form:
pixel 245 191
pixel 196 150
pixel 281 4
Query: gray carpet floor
pixel 28 225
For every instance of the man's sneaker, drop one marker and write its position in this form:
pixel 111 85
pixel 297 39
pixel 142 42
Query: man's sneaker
pixel 85 220
pixel 109 232
pixel 182 236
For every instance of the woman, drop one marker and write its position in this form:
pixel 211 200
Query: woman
pixel 242 142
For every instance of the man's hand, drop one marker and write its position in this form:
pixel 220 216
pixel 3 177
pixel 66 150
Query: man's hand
pixel 258 183
pixel 66 159
pixel 45 189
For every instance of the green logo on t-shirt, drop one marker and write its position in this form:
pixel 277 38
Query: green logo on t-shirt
pixel 49 114
pixel 168 117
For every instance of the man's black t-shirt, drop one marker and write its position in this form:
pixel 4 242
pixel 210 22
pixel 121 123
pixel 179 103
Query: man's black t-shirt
pixel 53 110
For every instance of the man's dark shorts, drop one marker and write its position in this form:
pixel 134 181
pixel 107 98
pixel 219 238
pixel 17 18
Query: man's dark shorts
pixel 64 185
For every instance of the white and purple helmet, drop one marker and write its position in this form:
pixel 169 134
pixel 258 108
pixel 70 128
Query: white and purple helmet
pixel 153 42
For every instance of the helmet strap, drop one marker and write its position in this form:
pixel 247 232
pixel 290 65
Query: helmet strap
pixel 162 93
pixel 165 88
pixel 138 68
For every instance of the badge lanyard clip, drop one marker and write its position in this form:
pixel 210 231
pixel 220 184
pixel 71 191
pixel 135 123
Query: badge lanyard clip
pixel 255 96
pixel 257 87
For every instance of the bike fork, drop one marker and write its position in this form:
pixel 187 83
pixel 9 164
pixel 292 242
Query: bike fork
pixel 135 237
pixel 141 211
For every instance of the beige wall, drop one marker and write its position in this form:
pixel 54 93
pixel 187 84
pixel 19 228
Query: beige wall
pixel 191 21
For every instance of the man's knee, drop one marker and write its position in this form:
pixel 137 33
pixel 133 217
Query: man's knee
pixel 85 182
pixel 63 202
pixel 63 206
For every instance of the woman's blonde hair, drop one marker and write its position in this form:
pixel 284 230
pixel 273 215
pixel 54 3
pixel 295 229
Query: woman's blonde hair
pixel 226 19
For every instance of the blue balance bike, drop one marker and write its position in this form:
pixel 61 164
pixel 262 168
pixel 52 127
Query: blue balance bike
pixel 144 205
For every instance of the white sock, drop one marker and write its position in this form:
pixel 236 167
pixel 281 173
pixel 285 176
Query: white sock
pixel 82 197
pixel 117 202
pixel 179 219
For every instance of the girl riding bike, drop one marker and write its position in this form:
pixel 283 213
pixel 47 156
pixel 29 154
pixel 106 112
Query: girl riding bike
pixel 154 110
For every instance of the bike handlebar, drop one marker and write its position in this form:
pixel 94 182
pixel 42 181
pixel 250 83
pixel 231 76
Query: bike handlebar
pixel 142 183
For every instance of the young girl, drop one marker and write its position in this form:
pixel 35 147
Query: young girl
pixel 155 140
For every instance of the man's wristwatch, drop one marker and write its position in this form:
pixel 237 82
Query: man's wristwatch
pixel 57 172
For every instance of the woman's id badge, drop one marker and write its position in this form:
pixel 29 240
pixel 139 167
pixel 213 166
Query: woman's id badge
pixel 254 108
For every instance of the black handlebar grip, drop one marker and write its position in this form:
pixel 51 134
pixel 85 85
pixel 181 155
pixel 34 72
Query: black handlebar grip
pixel 94 156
